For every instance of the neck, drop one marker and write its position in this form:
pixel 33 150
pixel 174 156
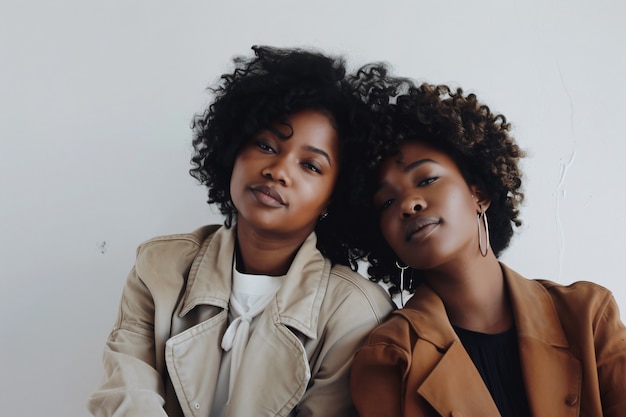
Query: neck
pixel 265 254
pixel 474 294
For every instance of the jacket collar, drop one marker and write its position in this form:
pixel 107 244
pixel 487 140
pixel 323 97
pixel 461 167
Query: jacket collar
pixel 531 300
pixel 550 371
pixel 553 376
pixel 297 301
pixel 427 315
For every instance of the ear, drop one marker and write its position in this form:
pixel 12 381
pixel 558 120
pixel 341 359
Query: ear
pixel 480 197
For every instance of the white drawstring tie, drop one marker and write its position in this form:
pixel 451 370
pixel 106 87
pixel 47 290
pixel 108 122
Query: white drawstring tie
pixel 238 331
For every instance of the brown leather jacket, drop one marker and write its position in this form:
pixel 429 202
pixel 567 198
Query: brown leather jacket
pixel 572 349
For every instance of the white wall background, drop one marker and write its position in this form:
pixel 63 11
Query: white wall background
pixel 96 100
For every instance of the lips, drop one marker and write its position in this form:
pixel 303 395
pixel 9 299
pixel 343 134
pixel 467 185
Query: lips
pixel 268 196
pixel 419 228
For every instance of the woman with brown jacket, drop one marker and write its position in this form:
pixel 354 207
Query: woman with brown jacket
pixel 476 338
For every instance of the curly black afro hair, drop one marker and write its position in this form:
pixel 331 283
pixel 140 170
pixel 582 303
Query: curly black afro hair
pixel 266 89
pixel 457 124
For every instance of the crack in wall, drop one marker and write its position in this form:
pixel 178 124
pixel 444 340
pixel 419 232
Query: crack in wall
pixel 559 192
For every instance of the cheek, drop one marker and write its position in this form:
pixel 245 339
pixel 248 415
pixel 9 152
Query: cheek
pixel 237 178
pixel 391 230
pixel 459 203
pixel 319 190
pixel 462 217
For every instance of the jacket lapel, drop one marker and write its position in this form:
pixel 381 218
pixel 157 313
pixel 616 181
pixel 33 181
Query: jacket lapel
pixel 193 362
pixel 454 383
pixel 275 370
pixel 553 376
pixel 194 354
pixel 274 373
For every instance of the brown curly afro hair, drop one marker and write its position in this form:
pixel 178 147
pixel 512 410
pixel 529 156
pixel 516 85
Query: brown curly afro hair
pixel 457 124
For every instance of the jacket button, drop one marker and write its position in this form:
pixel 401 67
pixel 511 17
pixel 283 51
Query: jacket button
pixel 196 406
pixel 456 414
pixel 571 400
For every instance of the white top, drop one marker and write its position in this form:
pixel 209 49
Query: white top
pixel 249 297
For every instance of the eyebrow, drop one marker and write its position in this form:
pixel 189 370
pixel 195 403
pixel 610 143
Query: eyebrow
pixel 415 164
pixel 406 168
pixel 319 152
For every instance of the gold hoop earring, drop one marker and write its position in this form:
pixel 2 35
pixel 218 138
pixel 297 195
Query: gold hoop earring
pixel 484 250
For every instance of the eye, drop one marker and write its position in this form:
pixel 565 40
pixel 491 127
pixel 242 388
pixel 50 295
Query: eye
pixel 427 181
pixel 312 167
pixel 265 146
pixel 385 204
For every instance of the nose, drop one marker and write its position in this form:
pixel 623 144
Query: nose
pixel 277 171
pixel 411 204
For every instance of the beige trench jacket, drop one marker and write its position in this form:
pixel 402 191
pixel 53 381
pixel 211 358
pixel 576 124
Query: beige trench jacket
pixel 572 350
pixel 163 355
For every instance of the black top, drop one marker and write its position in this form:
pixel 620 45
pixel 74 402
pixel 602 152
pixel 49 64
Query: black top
pixel 496 356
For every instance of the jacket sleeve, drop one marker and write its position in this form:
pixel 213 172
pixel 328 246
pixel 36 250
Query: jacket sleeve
pixel 377 376
pixel 610 345
pixel 328 392
pixel 132 385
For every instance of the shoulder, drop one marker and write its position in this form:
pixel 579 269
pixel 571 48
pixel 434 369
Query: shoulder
pixel 389 344
pixel 579 302
pixel 580 296
pixel 397 330
pixel 175 251
pixel 356 290
pixel 347 279
pixel 194 238
pixel 577 292
pixel 575 289
pixel 577 299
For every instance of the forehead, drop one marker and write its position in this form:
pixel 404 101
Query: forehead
pixel 313 127
pixel 411 152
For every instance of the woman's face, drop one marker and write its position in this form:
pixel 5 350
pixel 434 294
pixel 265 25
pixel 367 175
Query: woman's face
pixel 427 210
pixel 281 187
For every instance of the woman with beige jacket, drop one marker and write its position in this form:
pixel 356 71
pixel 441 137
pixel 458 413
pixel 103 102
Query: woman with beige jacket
pixel 261 316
